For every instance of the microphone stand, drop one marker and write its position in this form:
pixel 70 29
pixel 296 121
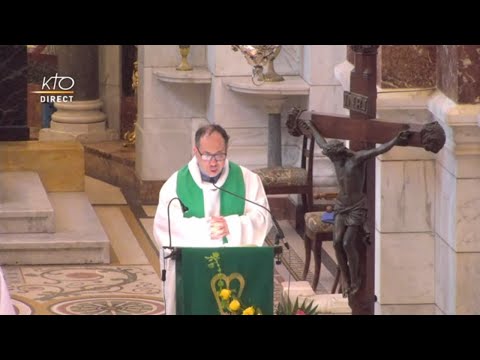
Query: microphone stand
pixel 279 233
pixel 173 252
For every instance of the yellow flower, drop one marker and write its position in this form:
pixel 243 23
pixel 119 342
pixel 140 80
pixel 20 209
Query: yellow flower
pixel 234 305
pixel 225 294
pixel 249 311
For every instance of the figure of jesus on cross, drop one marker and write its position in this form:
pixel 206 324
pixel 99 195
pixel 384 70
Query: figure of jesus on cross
pixel 351 202
pixel 355 170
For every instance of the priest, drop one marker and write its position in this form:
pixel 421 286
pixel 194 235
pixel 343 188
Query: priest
pixel 193 211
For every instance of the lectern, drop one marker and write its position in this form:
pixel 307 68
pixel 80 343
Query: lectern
pixel 246 271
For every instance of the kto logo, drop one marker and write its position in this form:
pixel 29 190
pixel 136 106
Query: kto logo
pixel 56 89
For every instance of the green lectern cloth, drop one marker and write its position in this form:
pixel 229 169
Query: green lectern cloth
pixel 193 277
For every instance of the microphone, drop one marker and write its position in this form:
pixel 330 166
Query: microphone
pixel 173 253
pixel 279 233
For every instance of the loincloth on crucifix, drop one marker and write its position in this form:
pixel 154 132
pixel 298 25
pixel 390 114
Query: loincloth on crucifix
pixel 353 215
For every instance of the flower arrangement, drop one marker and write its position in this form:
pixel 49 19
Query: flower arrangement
pixel 286 307
pixel 228 297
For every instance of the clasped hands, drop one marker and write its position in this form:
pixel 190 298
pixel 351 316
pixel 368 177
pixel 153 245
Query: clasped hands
pixel 218 227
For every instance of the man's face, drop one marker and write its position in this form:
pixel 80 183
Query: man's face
pixel 212 144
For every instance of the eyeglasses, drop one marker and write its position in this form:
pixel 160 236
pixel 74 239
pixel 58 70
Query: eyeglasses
pixel 209 157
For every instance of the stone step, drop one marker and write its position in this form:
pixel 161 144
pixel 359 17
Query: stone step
pixel 79 237
pixel 24 204
pixel 326 303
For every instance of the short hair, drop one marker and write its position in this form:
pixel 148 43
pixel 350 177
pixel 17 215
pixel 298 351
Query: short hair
pixel 208 130
pixel 333 147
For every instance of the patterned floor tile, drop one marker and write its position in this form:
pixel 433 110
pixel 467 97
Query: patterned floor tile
pixel 88 289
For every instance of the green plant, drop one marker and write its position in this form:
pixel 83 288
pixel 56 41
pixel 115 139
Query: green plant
pixel 286 307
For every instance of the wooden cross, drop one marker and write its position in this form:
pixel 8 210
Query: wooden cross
pixel 364 133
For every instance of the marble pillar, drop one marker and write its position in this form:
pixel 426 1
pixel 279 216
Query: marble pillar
pixel 82 118
pixel 427 210
pixel 274 110
pixel 13 93
pixel 405 184
pixel 457 229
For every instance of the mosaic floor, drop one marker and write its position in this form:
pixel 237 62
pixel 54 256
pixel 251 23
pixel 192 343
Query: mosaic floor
pixel 92 290
pixel 131 284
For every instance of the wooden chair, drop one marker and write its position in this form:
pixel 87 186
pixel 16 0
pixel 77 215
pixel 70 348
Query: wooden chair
pixel 316 232
pixel 289 179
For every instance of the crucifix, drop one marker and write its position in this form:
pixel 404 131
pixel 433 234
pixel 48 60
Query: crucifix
pixel 354 240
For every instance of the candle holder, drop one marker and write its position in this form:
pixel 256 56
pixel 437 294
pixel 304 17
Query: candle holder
pixel 130 136
pixel 184 65
pixel 259 56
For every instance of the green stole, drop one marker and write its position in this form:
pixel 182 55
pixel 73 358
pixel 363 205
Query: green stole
pixel 192 195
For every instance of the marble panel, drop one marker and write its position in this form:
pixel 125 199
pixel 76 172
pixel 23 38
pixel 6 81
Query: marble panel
pixel 445 276
pixel 467 212
pixel 319 62
pixel 159 125
pixel 156 158
pixel 406 262
pixel 459 71
pixel 326 98
pixel 468 166
pixel 403 153
pixel 445 201
pixel 405 196
pixel 467 290
pixel 406 66
pixel 161 99
pixel 403 99
pixel 253 156
pixel 407 309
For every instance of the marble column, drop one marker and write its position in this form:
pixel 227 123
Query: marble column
pixel 82 118
pixel 13 93
pixel 427 228
pixel 405 184
pixel 274 109
pixel 457 204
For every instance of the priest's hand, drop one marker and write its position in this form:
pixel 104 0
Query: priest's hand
pixel 218 227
